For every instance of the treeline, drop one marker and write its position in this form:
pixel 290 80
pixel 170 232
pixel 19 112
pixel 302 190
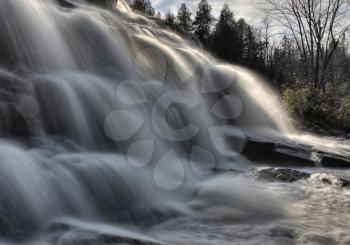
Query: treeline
pixel 229 39
pixel 309 63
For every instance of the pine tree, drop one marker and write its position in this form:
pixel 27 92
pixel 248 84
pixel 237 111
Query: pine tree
pixel 255 48
pixel 184 18
pixel 202 22
pixel 225 40
pixel 144 6
pixel 170 18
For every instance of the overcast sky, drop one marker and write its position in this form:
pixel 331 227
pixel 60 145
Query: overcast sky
pixel 248 9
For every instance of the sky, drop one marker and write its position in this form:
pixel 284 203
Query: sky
pixel 248 9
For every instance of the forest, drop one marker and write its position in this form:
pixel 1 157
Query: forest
pixel 306 60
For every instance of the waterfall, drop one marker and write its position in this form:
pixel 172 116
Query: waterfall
pixel 109 117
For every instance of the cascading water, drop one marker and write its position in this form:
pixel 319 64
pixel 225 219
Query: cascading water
pixel 110 122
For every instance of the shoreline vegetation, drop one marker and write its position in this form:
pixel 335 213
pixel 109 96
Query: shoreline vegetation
pixel 309 67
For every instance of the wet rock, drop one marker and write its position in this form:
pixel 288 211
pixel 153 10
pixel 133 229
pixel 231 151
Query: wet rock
pixel 326 181
pixel 279 175
pixel 335 161
pixel 221 170
pixel 288 175
pixel 104 3
pixel 344 183
pixel 329 179
pixel 289 154
pixel 272 153
pixel 66 4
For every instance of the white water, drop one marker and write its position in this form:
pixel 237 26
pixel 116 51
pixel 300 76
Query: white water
pixel 111 124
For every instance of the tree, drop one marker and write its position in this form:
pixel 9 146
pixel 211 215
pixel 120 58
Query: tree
pixel 268 41
pixel 285 63
pixel 202 22
pixel 170 18
pixel 184 18
pixel 225 40
pixel 241 27
pixel 144 6
pixel 317 27
pixel 338 76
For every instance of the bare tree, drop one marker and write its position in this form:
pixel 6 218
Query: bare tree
pixel 318 27
pixel 267 39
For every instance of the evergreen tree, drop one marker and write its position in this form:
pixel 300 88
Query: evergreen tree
pixel 254 50
pixel 241 27
pixel 202 22
pixel 225 40
pixel 144 6
pixel 184 18
pixel 170 18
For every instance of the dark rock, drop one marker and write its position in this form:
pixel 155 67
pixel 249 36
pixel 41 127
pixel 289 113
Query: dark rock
pixel 342 183
pixel 326 181
pixel 66 4
pixel 271 153
pixel 332 161
pixel 291 175
pixel 221 170
pixel 289 154
pixel 104 3
pixel 280 175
